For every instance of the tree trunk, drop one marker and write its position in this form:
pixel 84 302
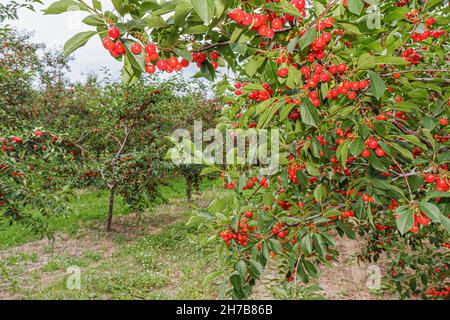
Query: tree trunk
pixel 188 189
pixel 110 211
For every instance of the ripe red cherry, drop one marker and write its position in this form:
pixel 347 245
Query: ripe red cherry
pixel 443 122
pixel 342 67
pixel 380 152
pixel 326 36
pixel 173 62
pixel 136 48
pixel 263 31
pixel 320 43
pixel 283 72
pixel 313 95
pixel 396 75
pixel 365 153
pixel 108 44
pixel 150 48
pixel 185 63
pixel 248 214
pixel 114 33
pixel 352 95
pixel 441 183
pixel 423 220
pixel 114 53
pixel 120 48
pixel 214 55
pixel 316 102
pixel 270 33
pixel 363 84
pixel 372 144
pixel 162 65
pixel 150 68
pixel 277 24
pixel 247 19
pixel 414 229
pixel 430 178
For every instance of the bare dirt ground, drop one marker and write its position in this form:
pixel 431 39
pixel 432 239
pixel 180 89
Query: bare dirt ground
pixel 346 280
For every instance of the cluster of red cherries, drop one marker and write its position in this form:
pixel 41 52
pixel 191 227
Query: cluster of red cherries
pixel 265 25
pixel 412 56
pixel 117 49
pixel 441 183
pixel 241 236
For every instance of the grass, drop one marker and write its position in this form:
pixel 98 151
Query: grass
pixel 154 256
pixel 162 266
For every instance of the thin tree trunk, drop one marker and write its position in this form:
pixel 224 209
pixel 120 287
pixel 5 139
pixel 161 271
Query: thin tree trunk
pixel 188 189
pixel 113 186
pixel 110 211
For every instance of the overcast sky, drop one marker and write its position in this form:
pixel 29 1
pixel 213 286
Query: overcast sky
pixel 55 30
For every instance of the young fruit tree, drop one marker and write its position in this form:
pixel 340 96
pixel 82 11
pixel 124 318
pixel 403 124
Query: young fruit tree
pixel 358 90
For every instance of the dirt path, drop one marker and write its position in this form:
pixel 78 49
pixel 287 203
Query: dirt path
pixel 346 280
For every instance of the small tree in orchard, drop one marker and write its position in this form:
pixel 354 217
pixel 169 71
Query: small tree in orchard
pixel 358 90
pixel 122 129
pixel 36 163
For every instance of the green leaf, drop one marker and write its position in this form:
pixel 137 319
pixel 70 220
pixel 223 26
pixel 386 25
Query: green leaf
pixel 253 64
pixel 412 139
pixel 405 221
pixel 65 6
pixel 397 61
pixel 356 147
pixel 217 205
pixel 308 38
pixel 377 86
pixel 154 21
pixel 204 8
pixel 182 10
pixel 306 244
pixel 350 28
pixel 94 20
pixel 404 152
pixel 212 276
pixel 292 44
pixel 209 170
pixel 97 5
pixel 309 113
pixel 432 211
pixel 241 268
pixel 256 268
pixel 276 246
pixel 355 6
pixel 197 29
pixel 320 193
pixel 77 41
